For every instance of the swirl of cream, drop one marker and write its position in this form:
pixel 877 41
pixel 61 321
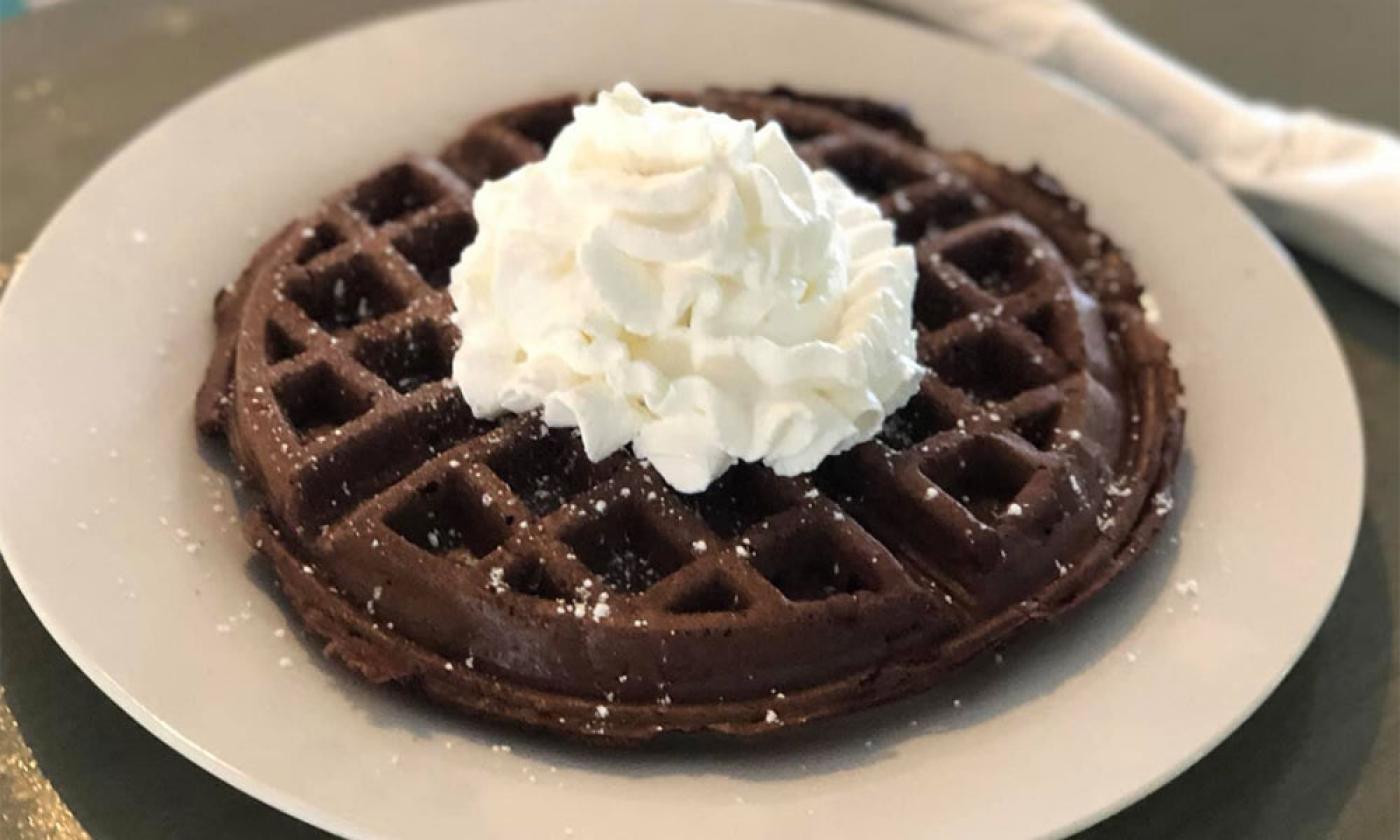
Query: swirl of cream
pixel 681 281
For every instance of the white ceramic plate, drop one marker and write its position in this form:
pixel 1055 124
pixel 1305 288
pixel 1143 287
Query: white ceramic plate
pixel 117 526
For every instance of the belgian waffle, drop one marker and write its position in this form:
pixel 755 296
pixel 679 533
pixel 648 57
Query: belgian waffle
pixel 493 567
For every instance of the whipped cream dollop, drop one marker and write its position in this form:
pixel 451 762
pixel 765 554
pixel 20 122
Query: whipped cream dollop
pixel 681 281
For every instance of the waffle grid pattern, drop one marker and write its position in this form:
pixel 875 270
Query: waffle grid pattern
pixel 984 488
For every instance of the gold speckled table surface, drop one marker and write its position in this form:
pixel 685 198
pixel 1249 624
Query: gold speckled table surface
pixel 1321 758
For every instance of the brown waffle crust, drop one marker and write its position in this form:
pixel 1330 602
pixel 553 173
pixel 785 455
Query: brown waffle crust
pixel 493 567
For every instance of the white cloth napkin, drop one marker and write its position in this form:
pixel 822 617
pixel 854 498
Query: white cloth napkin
pixel 1327 185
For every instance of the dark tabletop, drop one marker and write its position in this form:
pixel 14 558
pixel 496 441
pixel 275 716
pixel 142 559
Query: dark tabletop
pixel 1321 758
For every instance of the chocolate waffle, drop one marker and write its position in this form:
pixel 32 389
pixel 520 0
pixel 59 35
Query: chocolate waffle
pixel 493 567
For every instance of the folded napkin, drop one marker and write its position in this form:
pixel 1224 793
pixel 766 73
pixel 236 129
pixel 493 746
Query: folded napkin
pixel 1327 185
